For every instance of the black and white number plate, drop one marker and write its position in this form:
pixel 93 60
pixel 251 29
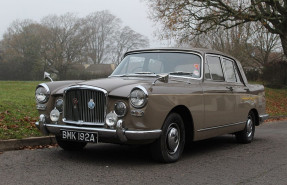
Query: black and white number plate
pixel 91 137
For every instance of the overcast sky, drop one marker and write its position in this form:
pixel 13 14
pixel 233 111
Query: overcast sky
pixel 133 13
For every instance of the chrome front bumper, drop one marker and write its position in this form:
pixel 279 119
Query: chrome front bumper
pixel 118 133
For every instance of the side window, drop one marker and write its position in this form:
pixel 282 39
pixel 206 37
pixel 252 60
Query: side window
pixel 229 70
pixel 215 68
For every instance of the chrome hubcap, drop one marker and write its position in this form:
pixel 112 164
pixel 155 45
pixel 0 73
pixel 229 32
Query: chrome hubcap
pixel 173 138
pixel 249 127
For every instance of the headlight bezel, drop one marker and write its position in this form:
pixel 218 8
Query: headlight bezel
pixel 135 96
pixel 42 89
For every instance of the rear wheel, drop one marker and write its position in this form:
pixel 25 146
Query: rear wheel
pixel 70 145
pixel 247 135
pixel 169 147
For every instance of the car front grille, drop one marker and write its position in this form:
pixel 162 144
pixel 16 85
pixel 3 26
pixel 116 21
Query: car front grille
pixel 85 106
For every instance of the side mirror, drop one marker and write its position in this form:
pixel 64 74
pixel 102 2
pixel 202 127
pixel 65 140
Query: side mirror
pixel 47 76
pixel 162 78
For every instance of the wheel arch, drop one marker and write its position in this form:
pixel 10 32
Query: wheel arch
pixel 186 116
pixel 255 112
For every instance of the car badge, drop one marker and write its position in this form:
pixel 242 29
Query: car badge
pixel 75 102
pixel 91 104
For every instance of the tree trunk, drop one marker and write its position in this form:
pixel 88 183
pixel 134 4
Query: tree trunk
pixel 284 43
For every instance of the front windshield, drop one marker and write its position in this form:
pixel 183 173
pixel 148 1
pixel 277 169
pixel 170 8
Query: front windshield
pixel 175 64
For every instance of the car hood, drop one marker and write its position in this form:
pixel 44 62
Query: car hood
pixel 114 86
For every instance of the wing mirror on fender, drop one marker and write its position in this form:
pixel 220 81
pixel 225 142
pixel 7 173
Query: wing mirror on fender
pixel 47 76
pixel 162 78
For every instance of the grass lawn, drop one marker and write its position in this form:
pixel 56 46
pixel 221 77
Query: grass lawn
pixel 18 112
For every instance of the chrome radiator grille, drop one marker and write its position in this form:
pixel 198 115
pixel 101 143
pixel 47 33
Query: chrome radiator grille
pixel 77 109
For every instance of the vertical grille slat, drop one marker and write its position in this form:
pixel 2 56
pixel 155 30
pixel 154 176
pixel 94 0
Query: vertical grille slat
pixel 76 110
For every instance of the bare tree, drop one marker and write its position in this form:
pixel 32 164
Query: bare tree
pixel 257 46
pixel 193 17
pixel 265 46
pixel 127 39
pixel 63 42
pixel 100 28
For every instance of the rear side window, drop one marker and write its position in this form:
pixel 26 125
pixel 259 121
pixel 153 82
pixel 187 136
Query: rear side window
pixel 215 69
pixel 229 70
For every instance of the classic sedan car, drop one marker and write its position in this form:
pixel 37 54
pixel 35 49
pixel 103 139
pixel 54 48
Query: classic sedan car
pixel 162 97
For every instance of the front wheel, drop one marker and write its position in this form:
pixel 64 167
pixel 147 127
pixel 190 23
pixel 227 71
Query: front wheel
pixel 169 147
pixel 70 145
pixel 247 135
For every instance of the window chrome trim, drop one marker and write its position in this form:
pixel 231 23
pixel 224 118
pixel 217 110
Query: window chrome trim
pixel 221 65
pixel 224 69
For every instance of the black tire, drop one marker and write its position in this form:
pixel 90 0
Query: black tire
pixel 247 135
pixel 70 145
pixel 169 147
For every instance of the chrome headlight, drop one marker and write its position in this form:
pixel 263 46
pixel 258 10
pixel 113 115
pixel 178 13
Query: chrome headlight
pixel 42 93
pixel 120 109
pixel 138 97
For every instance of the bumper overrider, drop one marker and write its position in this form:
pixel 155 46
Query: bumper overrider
pixel 263 117
pixel 120 133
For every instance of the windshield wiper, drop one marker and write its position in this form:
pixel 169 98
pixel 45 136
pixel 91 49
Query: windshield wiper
pixel 180 73
pixel 138 74
pixel 144 73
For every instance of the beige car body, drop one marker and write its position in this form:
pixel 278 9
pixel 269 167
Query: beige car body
pixel 208 108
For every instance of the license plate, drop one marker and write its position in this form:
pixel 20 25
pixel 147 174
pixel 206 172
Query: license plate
pixel 91 137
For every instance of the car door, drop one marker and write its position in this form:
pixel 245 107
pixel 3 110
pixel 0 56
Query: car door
pixel 239 89
pixel 219 100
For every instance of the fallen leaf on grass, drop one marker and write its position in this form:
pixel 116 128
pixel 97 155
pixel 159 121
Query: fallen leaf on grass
pixel 7 112
pixel 12 126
